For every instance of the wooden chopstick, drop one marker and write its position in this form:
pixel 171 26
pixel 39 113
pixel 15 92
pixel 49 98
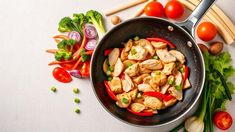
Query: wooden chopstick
pixel 212 14
pixel 124 7
pixel 141 11
pixel 228 39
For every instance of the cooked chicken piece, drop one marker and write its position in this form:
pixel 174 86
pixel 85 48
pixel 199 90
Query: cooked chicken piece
pixel 171 80
pixel 178 94
pixel 155 86
pixel 168 68
pixel 137 53
pixel 159 78
pixel 178 55
pixel 152 64
pixel 164 88
pixel 165 56
pixel 128 63
pixel 132 70
pixel 186 84
pixel 105 66
pixel 147 79
pixel 128 45
pixel 159 45
pixel 137 107
pixel 127 83
pixel 178 80
pixel 144 70
pixel 123 100
pixel 140 78
pixel 113 56
pixel 145 88
pixel 153 103
pixel 147 45
pixel 124 55
pixel 115 85
pixel 118 68
pixel 133 94
pixel 170 102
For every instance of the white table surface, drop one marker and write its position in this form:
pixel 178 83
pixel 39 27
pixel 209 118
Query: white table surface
pixel 26 102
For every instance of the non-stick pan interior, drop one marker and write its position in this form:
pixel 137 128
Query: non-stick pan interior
pixel 149 27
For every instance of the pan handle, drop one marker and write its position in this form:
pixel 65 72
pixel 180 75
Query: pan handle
pixel 190 23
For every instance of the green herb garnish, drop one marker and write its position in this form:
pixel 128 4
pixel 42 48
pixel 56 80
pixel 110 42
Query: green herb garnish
pixel 125 101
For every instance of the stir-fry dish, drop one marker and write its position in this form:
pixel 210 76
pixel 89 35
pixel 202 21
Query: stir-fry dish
pixel 146 75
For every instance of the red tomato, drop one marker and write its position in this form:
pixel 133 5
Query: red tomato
pixel 154 9
pixel 174 9
pixel 206 31
pixel 68 66
pixel 223 120
pixel 61 75
pixel 85 70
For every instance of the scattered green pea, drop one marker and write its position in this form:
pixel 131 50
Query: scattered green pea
pixel 53 89
pixel 125 101
pixel 182 69
pixel 110 78
pixel 76 90
pixel 77 100
pixel 111 68
pixel 171 82
pixel 77 110
pixel 155 57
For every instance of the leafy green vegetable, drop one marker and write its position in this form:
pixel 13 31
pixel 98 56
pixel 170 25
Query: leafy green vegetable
pixel 65 49
pixel 84 56
pixel 62 54
pixel 96 18
pixel 66 24
pixel 80 19
pixel 66 44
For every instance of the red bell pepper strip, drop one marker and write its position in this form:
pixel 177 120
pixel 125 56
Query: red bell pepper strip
pixel 140 113
pixel 168 98
pixel 186 73
pixel 110 93
pixel 154 94
pixel 107 51
pixel 162 40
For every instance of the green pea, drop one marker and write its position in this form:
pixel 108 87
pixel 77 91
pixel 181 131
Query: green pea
pixel 171 82
pixel 53 89
pixel 155 57
pixel 178 87
pixel 110 78
pixel 125 101
pixel 76 90
pixel 111 68
pixel 76 100
pixel 133 51
pixel 182 69
pixel 136 38
pixel 77 110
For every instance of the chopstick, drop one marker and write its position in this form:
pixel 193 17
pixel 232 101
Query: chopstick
pixel 141 11
pixel 123 7
pixel 215 16
pixel 228 39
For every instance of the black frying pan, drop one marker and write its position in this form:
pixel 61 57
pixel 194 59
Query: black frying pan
pixel 154 27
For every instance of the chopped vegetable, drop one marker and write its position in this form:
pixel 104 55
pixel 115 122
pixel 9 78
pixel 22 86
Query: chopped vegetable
pixel 107 51
pixel 223 120
pixel 76 73
pixel 110 93
pixel 85 70
pixel 66 24
pixel 178 87
pixel 77 100
pixel 145 113
pixel 125 101
pixel 110 78
pixel 62 54
pixel 61 75
pixel 96 18
pixel 91 44
pixel 53 89
pixel 84 56
pixel 162 40
pixel 74 36
pixel 155 57
pixel 171 82
pixel 154 94
pixel 111 68
pixel 136 38
pixel 77 110
pixel 80 20
pixel 90 31
pixel 133 51
pixel 76 90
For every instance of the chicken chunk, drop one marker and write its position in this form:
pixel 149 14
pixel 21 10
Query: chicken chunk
pixel 137 107
pixel 105 66
pixel 164 88
pixel 159 45
pixel 168 68
pixel 123 100
pixel 118 68
pixel 147 79
pixel 186 84
pixel 128 63
pixel 178 94
pixel 165 56
pixel 154 85
pixel 178 55
pixel 170 102
pixel 133 94
pixel 128 45
pixel 153 103
pixel 132 70
pixel 145 88
pixel 152 64
pixel 140 78
pixel 147 45
pixel 127 83
pixel 159 78
pixel 137 53
pixel 124 55
pixel 115 85
pixel 144 70
pixel 113 56
pixel 178 80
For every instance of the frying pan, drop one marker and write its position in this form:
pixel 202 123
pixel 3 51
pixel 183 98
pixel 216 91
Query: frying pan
pixel 181 34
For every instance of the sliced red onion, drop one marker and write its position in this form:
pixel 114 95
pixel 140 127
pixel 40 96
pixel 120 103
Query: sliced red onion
pixel 91 44
pixel 90 31
pixel 75 36
pixel 75 73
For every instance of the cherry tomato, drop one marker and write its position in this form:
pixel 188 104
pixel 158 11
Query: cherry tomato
pixel 174 9
pixel 61 75
pixel 85 70
pixel 154 9
pixel 206 31
pixel 223 120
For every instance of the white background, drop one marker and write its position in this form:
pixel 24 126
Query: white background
pixel 26 102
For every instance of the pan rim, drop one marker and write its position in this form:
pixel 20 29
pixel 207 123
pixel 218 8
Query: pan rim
pixel 161 124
